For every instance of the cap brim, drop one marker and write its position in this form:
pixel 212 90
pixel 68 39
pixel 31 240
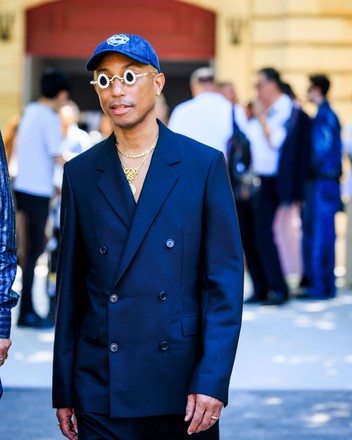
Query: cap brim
pixel 95 59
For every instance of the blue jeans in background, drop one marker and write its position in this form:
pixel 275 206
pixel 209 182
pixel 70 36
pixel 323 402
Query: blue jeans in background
pixel 321 204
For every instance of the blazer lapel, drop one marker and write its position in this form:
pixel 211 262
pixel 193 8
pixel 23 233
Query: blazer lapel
pixel 159 182
pixel 113 183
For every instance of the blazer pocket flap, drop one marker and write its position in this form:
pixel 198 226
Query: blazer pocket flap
pixel 90 328
pixel 190 325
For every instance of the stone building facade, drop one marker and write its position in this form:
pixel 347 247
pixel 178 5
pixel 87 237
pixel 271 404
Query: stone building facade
pixel 298 37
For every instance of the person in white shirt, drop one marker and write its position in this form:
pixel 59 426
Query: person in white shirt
pixel 208 116
pixel 38 149
pixel 267 132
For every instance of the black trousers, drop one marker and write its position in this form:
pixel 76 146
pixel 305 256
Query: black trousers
pixel 31 216
pixel 266 208
pixel 246 219
pixel 170 427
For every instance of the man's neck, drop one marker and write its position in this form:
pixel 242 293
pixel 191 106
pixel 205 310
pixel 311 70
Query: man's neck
pixel 136 139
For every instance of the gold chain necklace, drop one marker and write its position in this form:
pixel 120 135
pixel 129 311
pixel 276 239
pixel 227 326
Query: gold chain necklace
pixel 137 156
pixel 131 173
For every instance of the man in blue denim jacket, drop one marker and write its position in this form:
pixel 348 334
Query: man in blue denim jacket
pixel 322 194
pixel 8 298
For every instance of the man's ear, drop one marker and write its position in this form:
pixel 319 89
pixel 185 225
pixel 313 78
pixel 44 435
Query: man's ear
pixel 159 82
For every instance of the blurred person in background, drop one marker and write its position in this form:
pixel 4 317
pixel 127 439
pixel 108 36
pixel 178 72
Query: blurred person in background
pixel 208 116
pixel 280 146
pixel 288 223
pixel 245 185
pixel 267 132
pixel 38 149
pixel 76 140
pixel 323 198
pixel 8 260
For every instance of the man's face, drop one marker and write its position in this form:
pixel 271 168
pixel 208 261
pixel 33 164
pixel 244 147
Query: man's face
pixel 313 93
pixel 128 105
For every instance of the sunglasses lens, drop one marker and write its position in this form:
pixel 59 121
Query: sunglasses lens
pixel 103 81
pixel 129 77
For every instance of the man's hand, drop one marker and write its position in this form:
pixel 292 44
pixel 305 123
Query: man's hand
pixel 203 411
pixel 5 345
pixel 67 422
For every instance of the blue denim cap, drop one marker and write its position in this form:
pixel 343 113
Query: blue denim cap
pixel 132 46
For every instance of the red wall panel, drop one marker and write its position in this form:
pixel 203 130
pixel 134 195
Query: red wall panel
pixel 72 28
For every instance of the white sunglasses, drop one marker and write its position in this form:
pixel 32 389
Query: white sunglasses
pixel 129 77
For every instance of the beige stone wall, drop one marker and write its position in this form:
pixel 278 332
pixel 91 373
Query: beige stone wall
pixel 11 62
pixel 12 59
pixel 300 37
pixel 296 36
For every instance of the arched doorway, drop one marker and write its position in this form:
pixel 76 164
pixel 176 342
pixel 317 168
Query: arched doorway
pixel 64 34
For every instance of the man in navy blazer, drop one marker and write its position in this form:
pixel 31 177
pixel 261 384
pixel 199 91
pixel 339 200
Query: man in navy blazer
pixel 150 271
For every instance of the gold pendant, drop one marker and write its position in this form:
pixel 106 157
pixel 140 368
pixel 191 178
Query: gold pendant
pixel 133 189
pixel 130 173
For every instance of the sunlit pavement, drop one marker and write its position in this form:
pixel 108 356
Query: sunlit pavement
pixel 304 344
pixel 293 373
pixel 292 378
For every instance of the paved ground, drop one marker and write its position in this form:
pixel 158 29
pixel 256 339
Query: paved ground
pixel 292 378
pixel 302 345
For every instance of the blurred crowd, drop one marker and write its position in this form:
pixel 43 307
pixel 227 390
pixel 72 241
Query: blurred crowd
pixel 285 167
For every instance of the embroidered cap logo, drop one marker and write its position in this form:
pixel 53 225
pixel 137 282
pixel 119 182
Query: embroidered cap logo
pixel 117 40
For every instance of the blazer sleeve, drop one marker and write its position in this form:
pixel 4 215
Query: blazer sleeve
pixel 71 297
pixel 222 286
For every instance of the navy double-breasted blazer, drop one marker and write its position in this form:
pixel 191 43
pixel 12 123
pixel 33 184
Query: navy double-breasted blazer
pixel 149 294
